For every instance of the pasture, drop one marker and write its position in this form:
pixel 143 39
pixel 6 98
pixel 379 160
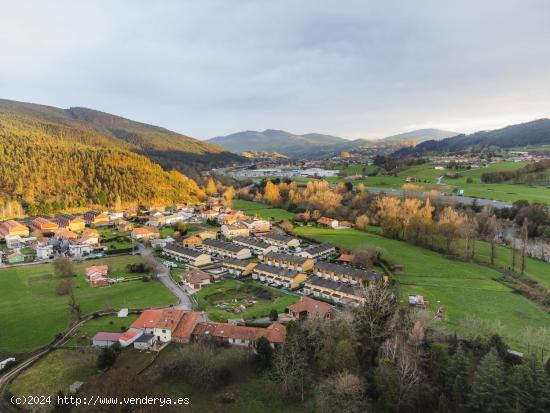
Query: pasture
pixel 463 289
pixel 262 210
pixel 31 313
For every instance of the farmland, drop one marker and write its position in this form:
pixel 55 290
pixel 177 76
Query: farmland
pixel 220 298
pixel 427 177
pixel 464 289
pixel 28 301
pixel 262 210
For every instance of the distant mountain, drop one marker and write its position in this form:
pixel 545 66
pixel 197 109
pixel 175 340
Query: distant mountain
pixel 421 135
pixel 313 145
pixel 532 133
pixel 53 158
pixel 271 140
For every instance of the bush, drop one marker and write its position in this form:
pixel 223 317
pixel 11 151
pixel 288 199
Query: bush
pixel 106 358
pixel 64 287
pixel 273 315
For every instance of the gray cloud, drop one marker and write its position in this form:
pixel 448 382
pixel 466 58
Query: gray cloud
pixel 350 68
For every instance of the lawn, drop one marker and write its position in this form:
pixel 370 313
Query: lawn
pixel 28 302
pixel 262 210
pixel 108 324
pixel 56 371
pixel 218 300
pixel 464 289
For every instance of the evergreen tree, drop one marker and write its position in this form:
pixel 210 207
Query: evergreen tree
pixel 489 391
pixel 531 386
pixel 457 378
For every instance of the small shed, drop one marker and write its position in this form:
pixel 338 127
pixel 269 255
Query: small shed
pixel 105 339
pixel 122 313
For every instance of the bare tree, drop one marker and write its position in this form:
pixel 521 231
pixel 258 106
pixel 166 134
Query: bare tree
pixel 374 321
pixel 524 239
pixel 492 234
pixel 396 349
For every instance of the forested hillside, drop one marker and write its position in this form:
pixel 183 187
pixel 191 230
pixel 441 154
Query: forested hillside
pixel 48 166
pixel 171 150
pixel 533 133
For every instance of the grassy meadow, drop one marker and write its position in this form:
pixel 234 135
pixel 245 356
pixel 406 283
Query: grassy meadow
pixel 427 177
pixel 262 210
pixel 464 289
pixel 32 312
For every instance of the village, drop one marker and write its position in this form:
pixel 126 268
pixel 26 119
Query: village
pixel 200 246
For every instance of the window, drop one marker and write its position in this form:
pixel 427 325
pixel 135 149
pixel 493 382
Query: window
pixel 164 331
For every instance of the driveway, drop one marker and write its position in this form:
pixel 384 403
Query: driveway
pixel 163 273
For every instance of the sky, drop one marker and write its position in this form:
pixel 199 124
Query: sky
pixel 355 69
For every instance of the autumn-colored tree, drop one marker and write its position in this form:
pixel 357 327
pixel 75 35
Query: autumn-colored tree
pixel 271 194
pixel 228 196
pixel 450 222
pixel 389 215
pixel 211 188
pixel 362 222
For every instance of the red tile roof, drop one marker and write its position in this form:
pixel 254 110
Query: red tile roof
pixel 275 333
pixel 311 306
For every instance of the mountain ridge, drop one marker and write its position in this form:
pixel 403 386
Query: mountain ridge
pixel 536 132
pixel 309 144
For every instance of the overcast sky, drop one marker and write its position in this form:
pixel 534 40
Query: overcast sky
pixel 349 68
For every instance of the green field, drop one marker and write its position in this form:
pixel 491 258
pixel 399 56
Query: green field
pixel 115 240
pixel 262 210
pixel 427 177
pixel 56 371
pixel 28 302
pixel 463 289
pixel 226 291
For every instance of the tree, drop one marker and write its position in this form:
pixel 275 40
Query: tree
pixel 366 256
pixel 492 234
pixel 74 307
pixel 211 188
pixel 273 315
pixel 287 225
pixel 106 358
pixel 228 196
pixel 264 353
pixel 362 222
pixel 524 239
pixel 63 268
pixel 386 382
pixel 342 393
pixel 290 367
pixel 489 392
pixel 450 222
pixel 457 377
pixel 530 386
pixel 63 287
pixel 271 194
pixel 373 322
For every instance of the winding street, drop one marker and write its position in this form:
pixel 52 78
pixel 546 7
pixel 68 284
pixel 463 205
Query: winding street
pixel 163 274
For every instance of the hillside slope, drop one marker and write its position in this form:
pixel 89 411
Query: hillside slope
pixel 532 133
pixel 171 150
pixel 421 135
pixel 50 162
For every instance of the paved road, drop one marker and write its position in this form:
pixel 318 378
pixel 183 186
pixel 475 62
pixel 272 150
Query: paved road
pixel 449 198
pixel 454 199
pixel 163 274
